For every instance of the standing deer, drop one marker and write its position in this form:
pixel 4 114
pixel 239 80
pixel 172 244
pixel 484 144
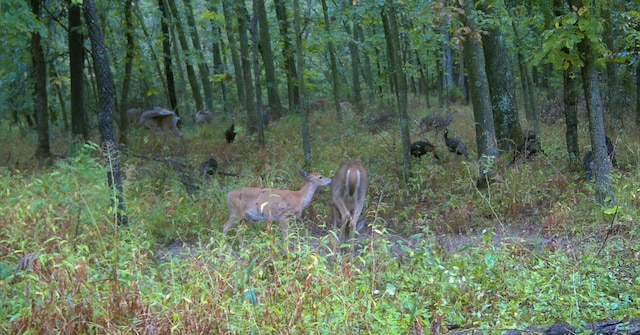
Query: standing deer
pixel 348 191
pixel 160 119
pixel 258 204
pixel 435 121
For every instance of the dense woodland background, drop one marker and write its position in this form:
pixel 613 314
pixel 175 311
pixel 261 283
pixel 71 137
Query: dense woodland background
pixel 491 241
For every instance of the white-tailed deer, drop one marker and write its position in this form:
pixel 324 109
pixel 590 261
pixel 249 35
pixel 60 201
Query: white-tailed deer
pixel 132 115
pixel 160 119
pixel 204 116
pixel 258 204
pixel 348 191
pixel 435 121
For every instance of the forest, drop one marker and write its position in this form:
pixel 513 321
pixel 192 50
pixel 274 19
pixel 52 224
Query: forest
pixel 319 167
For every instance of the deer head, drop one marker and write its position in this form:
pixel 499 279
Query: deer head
pixel 160 119
pixel 204 116
pixel 348 191
pixel 258 204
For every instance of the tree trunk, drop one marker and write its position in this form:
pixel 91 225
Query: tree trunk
pixel 256 35
pixel 104 80
pixel 367 72
pixel 570 99
pixel 595 109
pixel 243 29
pixel 480 98
pixel 191 73
pixel 219 72
pixel 334 67
pixel 614 89
pixel 228 8
pixel 502 88
pixel 128 68
pixel 306 134
pixel 355 71
pixel 293 87
pixel 76 72
pixel 447 65
pixel 638 94
pixel 528 87
pixel 202 64
pixel 40 87
pixel 166 55
pixel 396 68
pixel 267 60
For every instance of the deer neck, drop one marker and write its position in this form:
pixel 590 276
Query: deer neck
pixel 306 194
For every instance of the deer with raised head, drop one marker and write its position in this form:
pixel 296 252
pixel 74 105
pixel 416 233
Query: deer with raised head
pixel 203 116
pixel 435 121
pixel 259 204
pixel 348 192
pixel 160 119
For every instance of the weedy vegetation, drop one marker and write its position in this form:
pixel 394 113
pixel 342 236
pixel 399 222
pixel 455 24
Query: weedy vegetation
pixel 435 252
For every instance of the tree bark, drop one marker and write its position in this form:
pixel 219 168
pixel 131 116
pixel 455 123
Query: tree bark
pixel 354 51
pixel 40 87
pixel 128 68
pixel 480 98
pixel 256 35
pixel 570 100
pixel 502 88
pixel 614 89
pixel 243 30
pixel 76 72
pixel 228 8
pixel 389 21
pixel 166 56
pixel 332 57
pixel 202 64
pixel 104 80
pixel 191 73
pixel 306 133
pixel 293 86
pixel 595 109
pixel 267 60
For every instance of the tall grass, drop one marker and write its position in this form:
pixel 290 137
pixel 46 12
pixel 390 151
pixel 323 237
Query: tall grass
pixel 438 252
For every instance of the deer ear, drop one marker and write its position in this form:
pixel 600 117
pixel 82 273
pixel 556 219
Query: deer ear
pixel 303 174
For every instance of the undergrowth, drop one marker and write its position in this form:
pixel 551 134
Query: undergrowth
pixel 533 248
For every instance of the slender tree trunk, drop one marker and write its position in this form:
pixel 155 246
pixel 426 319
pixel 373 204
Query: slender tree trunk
pixel 334 67
pixel 293 86
pixel 306 133
pixel 128 68
pixel 355 71
pixel 104 80
pixel 366 65
pixel 191 73
pixel 256 35
pixel 595 109
pixel 76 68
pixel 480 98
pixel 228 8
pixel 614 89
pixel 202 64
pixel 570 99
pixel 447 65
pixel 40 87
pixel 166 55
pixel 528 87
pixel 267 59
pixel 389 21
pixel 502 88
pixel 243 30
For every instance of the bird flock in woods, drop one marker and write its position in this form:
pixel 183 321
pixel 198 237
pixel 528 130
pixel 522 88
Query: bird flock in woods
pixel 348 186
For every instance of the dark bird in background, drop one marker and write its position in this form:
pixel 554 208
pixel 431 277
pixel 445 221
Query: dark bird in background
pixel 455 145
pixel 210 167
pixel 529 147
pixel 421 148
pixel 587 161
pixel 230 134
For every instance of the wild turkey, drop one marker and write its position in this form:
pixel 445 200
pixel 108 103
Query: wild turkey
pixel 210 167
pixel 421 148
pixel 230 134
pixel 587 161
pixel 455 145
